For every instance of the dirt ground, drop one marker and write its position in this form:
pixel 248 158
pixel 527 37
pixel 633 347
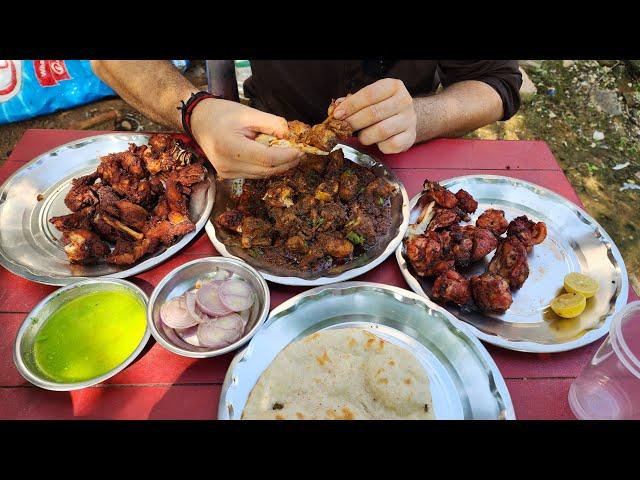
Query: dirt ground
pixel 587 135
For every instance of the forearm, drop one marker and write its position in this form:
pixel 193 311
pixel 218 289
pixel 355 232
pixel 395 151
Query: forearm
pixel 459 109
pixel 154 87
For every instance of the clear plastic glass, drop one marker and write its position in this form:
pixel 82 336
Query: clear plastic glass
pixel 608 388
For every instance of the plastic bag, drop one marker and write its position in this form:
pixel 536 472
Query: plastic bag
pixel 29 88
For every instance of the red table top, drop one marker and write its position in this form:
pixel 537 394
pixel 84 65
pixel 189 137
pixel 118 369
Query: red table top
pixel 162 385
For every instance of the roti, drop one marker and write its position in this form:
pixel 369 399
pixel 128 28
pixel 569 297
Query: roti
pixel 341 374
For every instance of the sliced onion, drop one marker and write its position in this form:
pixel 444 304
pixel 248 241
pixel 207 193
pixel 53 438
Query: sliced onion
pixel 245 315
pixel 208 300
pixel 190 301
pixel 221 331
pixel 174 313
pixel 236 295
pixel 189 335
pixel 221 274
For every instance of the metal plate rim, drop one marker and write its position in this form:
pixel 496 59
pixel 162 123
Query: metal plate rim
pixel 24 272
pixel 498 379
pixel 347 275
pixel 526 346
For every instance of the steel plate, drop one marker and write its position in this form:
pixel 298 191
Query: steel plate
pixel 30 246
pixel 465 382
pixel 360 265
pixel 575 243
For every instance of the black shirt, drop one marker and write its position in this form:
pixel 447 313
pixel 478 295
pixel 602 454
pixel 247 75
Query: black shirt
pixel 303 89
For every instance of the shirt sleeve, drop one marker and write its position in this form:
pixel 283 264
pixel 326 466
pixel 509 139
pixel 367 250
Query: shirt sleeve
pixel 503 75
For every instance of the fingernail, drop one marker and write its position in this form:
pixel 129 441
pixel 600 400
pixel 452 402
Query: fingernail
pixel 339 114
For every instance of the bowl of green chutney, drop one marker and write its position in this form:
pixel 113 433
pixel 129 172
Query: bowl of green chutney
pixel 82 334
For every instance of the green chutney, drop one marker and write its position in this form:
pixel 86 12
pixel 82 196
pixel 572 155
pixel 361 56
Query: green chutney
pixel 90 335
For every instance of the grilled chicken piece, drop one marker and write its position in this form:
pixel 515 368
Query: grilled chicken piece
pixel 81 194
pixel 491 293
pixel 255 232
pixel 466 202
pixel 443 218
pixel 510 262
pixel 424 251
pixel 80 220
pixel 231 220
pixel 84 246
pixel 422 222
pixel 484 242
pixel 437 193
pixel 528 232
pixel 493 220
pixel 450 286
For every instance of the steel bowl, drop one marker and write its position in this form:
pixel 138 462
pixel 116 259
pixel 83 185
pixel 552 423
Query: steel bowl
pixel 37 318
pixel 184 278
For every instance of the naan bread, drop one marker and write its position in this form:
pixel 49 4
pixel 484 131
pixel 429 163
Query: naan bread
pixel 341 374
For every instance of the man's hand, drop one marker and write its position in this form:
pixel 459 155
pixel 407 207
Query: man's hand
pixel 384 114
pixel 225 132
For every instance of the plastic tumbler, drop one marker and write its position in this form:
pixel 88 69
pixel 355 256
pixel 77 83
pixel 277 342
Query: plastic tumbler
pixel 609 386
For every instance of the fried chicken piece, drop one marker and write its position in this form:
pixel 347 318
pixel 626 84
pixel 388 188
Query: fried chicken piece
pixel 361 223
pixel 305 204
pixel 81 194
pixel 348 185
pixel 510 262
pixel 127 252
pixel 491 293
pixel 450 286
pixel 437 193
pixel 157 162
pixel 169 230
pixel 176 201
pixel 279 195
pixel 190 174
pixel 335 246
pixel 528 232
pixel 255 232
pixel 314 163
pixel 80 220
pixel 323 136
pixel 131 214
pixel 379 188
pixel 333 215
pixel 84 246
pixel 107 230
pixel 493 220
pixel 466 202
pixel 114 223
pixel 336 162
pixel 423 251
pixel 327 190
pixel 297 244
pixel 160 141
pixel 231 220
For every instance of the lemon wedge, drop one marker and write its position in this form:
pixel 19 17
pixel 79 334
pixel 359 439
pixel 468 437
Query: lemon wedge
pixel 580 283
pixel 569 305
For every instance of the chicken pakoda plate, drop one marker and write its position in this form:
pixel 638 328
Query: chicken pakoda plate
pixel 134 204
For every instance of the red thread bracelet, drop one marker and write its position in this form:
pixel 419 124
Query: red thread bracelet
pixel 187 109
